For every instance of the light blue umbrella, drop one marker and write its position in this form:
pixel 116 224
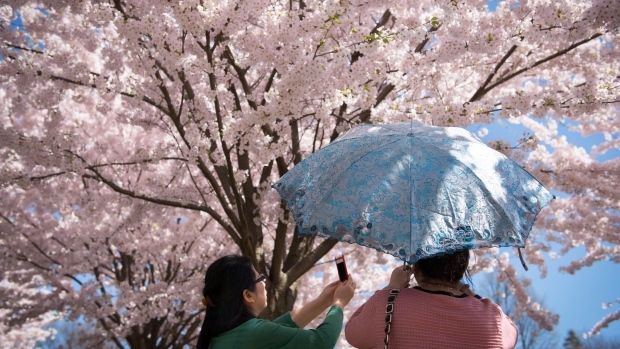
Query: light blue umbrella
pixel 413 191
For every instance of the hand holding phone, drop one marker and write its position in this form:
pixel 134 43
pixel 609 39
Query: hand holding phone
pixel 342 268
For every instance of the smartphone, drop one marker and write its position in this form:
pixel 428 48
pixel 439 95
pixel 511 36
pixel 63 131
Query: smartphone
pixel 342 268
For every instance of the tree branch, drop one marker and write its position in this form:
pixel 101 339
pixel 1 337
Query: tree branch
pixel 384 19
pixel 279 248
pixel 98 176
pixel 421 45
pixel 364 116
pixel 308 261
pixel 24 48
pixel 478 95
pixel 544 60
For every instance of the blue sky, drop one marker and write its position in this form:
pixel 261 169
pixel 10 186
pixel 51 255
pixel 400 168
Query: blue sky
pixel 576 298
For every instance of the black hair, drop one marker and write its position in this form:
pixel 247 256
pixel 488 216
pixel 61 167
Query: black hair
pixel 448 267
pixel 225 281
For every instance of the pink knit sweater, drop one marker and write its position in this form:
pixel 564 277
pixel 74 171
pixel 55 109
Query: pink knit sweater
pixel 431 319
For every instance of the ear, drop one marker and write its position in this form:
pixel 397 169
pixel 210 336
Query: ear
pixel 249 297
pixel 204 302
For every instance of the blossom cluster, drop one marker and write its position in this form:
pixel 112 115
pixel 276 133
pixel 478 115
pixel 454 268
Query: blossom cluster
pixel 139 139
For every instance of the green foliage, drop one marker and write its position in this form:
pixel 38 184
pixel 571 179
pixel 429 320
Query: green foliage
pixel 572 341
pixel 385 36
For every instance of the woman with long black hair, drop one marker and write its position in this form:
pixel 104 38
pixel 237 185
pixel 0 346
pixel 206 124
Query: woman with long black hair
pixel 234 294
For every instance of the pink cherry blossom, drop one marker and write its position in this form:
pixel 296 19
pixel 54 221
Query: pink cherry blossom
pixel 139 140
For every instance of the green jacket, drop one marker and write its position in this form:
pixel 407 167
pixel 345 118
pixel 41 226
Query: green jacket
pixel 281 333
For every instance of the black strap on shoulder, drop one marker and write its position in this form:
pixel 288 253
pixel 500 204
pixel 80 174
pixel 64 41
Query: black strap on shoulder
pixel 389 310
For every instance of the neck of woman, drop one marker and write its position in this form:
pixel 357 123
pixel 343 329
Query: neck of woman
pixel 438 285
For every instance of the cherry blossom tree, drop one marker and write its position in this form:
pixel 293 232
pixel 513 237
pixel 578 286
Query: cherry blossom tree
pixel 530 334
pixel 139 140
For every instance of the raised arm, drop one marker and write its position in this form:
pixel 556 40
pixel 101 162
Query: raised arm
pixel 303 315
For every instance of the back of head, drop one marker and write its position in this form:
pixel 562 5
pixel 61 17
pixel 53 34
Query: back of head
pixel 448 267
pixel 225 281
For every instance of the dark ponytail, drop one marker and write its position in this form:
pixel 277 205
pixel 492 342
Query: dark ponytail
pixel 225 281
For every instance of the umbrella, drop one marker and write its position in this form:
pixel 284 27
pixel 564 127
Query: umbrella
pixel 413 191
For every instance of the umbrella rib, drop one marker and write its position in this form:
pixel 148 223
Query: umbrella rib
pixel 484 188
pixel 449 199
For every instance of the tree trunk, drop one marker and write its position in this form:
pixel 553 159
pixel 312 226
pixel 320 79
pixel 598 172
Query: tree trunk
pixel 280 299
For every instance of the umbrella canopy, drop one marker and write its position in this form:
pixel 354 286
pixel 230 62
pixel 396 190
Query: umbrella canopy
pixel 413 191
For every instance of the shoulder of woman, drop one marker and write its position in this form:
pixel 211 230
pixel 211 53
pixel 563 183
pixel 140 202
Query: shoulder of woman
pixel 261 328
pixel 488 303
pixel 380 296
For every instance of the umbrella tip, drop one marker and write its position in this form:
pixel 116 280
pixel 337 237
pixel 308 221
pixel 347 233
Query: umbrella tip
pixel 522 261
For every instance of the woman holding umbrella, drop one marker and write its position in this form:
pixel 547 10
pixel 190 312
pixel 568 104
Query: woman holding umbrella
pixel 419 193
pixel 440 312
pixel 234 294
